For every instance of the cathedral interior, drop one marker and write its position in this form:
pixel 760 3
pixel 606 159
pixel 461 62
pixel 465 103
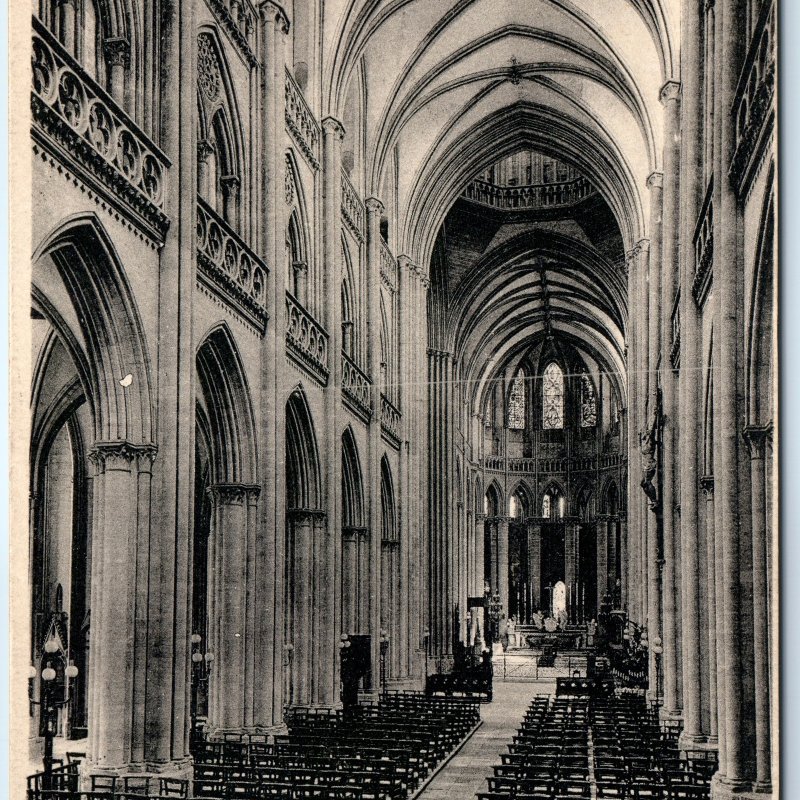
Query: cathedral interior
pixel 391 361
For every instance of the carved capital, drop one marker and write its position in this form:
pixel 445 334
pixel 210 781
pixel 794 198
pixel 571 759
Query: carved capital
pixel 205 149
pixel 374 206
pixel 233 494
pixel 332 127
pixel 121 455
pixel 707 486
pixel 655 179
pixel 117 50
pixel 670 91
pixel 270 11
pixel 756 437
pixel 230 183
pixel 306 515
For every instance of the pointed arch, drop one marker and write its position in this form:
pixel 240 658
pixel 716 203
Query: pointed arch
pixel 228 411
pixel 389 531
pixel 303 481
pixel 478 496
pixel 80 286
pixel 493 500
pixel 611 498
pixel 352 483
pixel 708 414
pixel 552 501
pixel 553 396
pixel 584 502
pixel 522 494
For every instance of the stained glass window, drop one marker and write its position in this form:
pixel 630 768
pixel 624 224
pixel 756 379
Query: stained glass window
pixel 546 506
pixel 553 397
pixel 516 403
pixel 588 403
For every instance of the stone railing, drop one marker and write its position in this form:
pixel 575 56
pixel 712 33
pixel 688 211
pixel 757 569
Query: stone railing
pixel 300 121
pixel 85 130
pixel 547 195
pixel 306 339
pixel 530 466
pixel 388 267
pixel 390 419
pixel 355 387
pixel 239 18
pixel 353 211
pixel 229 267
pixel 754 103
pixel 675 345
pixel 704 247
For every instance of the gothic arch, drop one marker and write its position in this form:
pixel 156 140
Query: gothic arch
pixel 303 480
pixel 611 497
pixel 708 414
pixel 759 336
pixel 227 410
pixel 494 499
pixel 525 498
pixel 92 308
pixel 352 484
pixel 478 496
pixel 389 529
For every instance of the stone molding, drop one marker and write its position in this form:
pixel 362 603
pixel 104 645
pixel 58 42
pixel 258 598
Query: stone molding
pixel 121 454
pixel 233 494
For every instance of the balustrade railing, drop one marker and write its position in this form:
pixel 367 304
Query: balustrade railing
pixel 754 106
pixel 530 466
pixel 239 18
pixel 704 247
pixel 390 418
pixel 537 196
pixel 388 267
pixel 353 211
pixel 84 129
pixel 300 121
pixel 230 267
pixel 355 386
pixel 306 339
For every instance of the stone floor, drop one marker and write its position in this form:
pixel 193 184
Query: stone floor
pixel 466 772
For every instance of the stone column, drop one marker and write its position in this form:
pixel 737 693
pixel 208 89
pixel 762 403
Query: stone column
pixel 65 15
pixel 230 186
pixel 117 51
pixel 535 561
pixel 229 586
pixel 205 167
pixel 329 559
pixel 270 226
pixel 602 558
pixel 756 439
pixel 624 559
pixel 670 98
pixel 571 532
pixel 118 667
pixel 478 578
pixel 502 568
pixel 300 269
pixel 707 485
pixel 350 580
pixel 729 365
pixel 364 567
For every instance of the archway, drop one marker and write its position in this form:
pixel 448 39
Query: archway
pixel 390 569
pixel 305 533
pixel 355 542
pixel 225 507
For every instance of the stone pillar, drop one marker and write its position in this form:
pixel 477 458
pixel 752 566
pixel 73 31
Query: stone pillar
pixel 270 225
pixel 624 559
pixel 602 558
pixel 364 567
pixel 117 51
pixel 65 12
pixel 707 485
pixel 205 167
pixel 728 364
pixel 118 667
pixel 502 568
pixel 229 586
pixel 670 98
pixel 571 531
pixel 535 561
pixel 350 580
pixel 300 269
pixel 478 578
pixel 756 439
pixel 300 623
pixel 347 337
pixel 230 186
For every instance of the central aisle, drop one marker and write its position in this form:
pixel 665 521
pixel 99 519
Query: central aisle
pixel 465 774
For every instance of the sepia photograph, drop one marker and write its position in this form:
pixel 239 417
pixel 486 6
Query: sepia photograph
pixel 394 400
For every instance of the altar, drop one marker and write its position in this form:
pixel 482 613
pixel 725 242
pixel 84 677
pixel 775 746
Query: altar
pixel 529 637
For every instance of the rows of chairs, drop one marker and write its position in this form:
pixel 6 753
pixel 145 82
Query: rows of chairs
pixel 548 758
pixel 636 757
pixel 380 752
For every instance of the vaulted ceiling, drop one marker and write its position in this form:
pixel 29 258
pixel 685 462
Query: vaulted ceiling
pixel 453 85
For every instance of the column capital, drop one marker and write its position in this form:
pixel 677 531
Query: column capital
pixel 642 246
pixel 670 91
pixel 117 49
pixel 121 454
pixel 305 514
pixel 270 10
pixel 756 437
pixel 707 485
pixel 536 520
pixel 374 205
pixel 332 127
pixel 299 266
pixel 655 180
pixel 205 149
pixel 230 183
pixel 602 518
pixel 233 494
